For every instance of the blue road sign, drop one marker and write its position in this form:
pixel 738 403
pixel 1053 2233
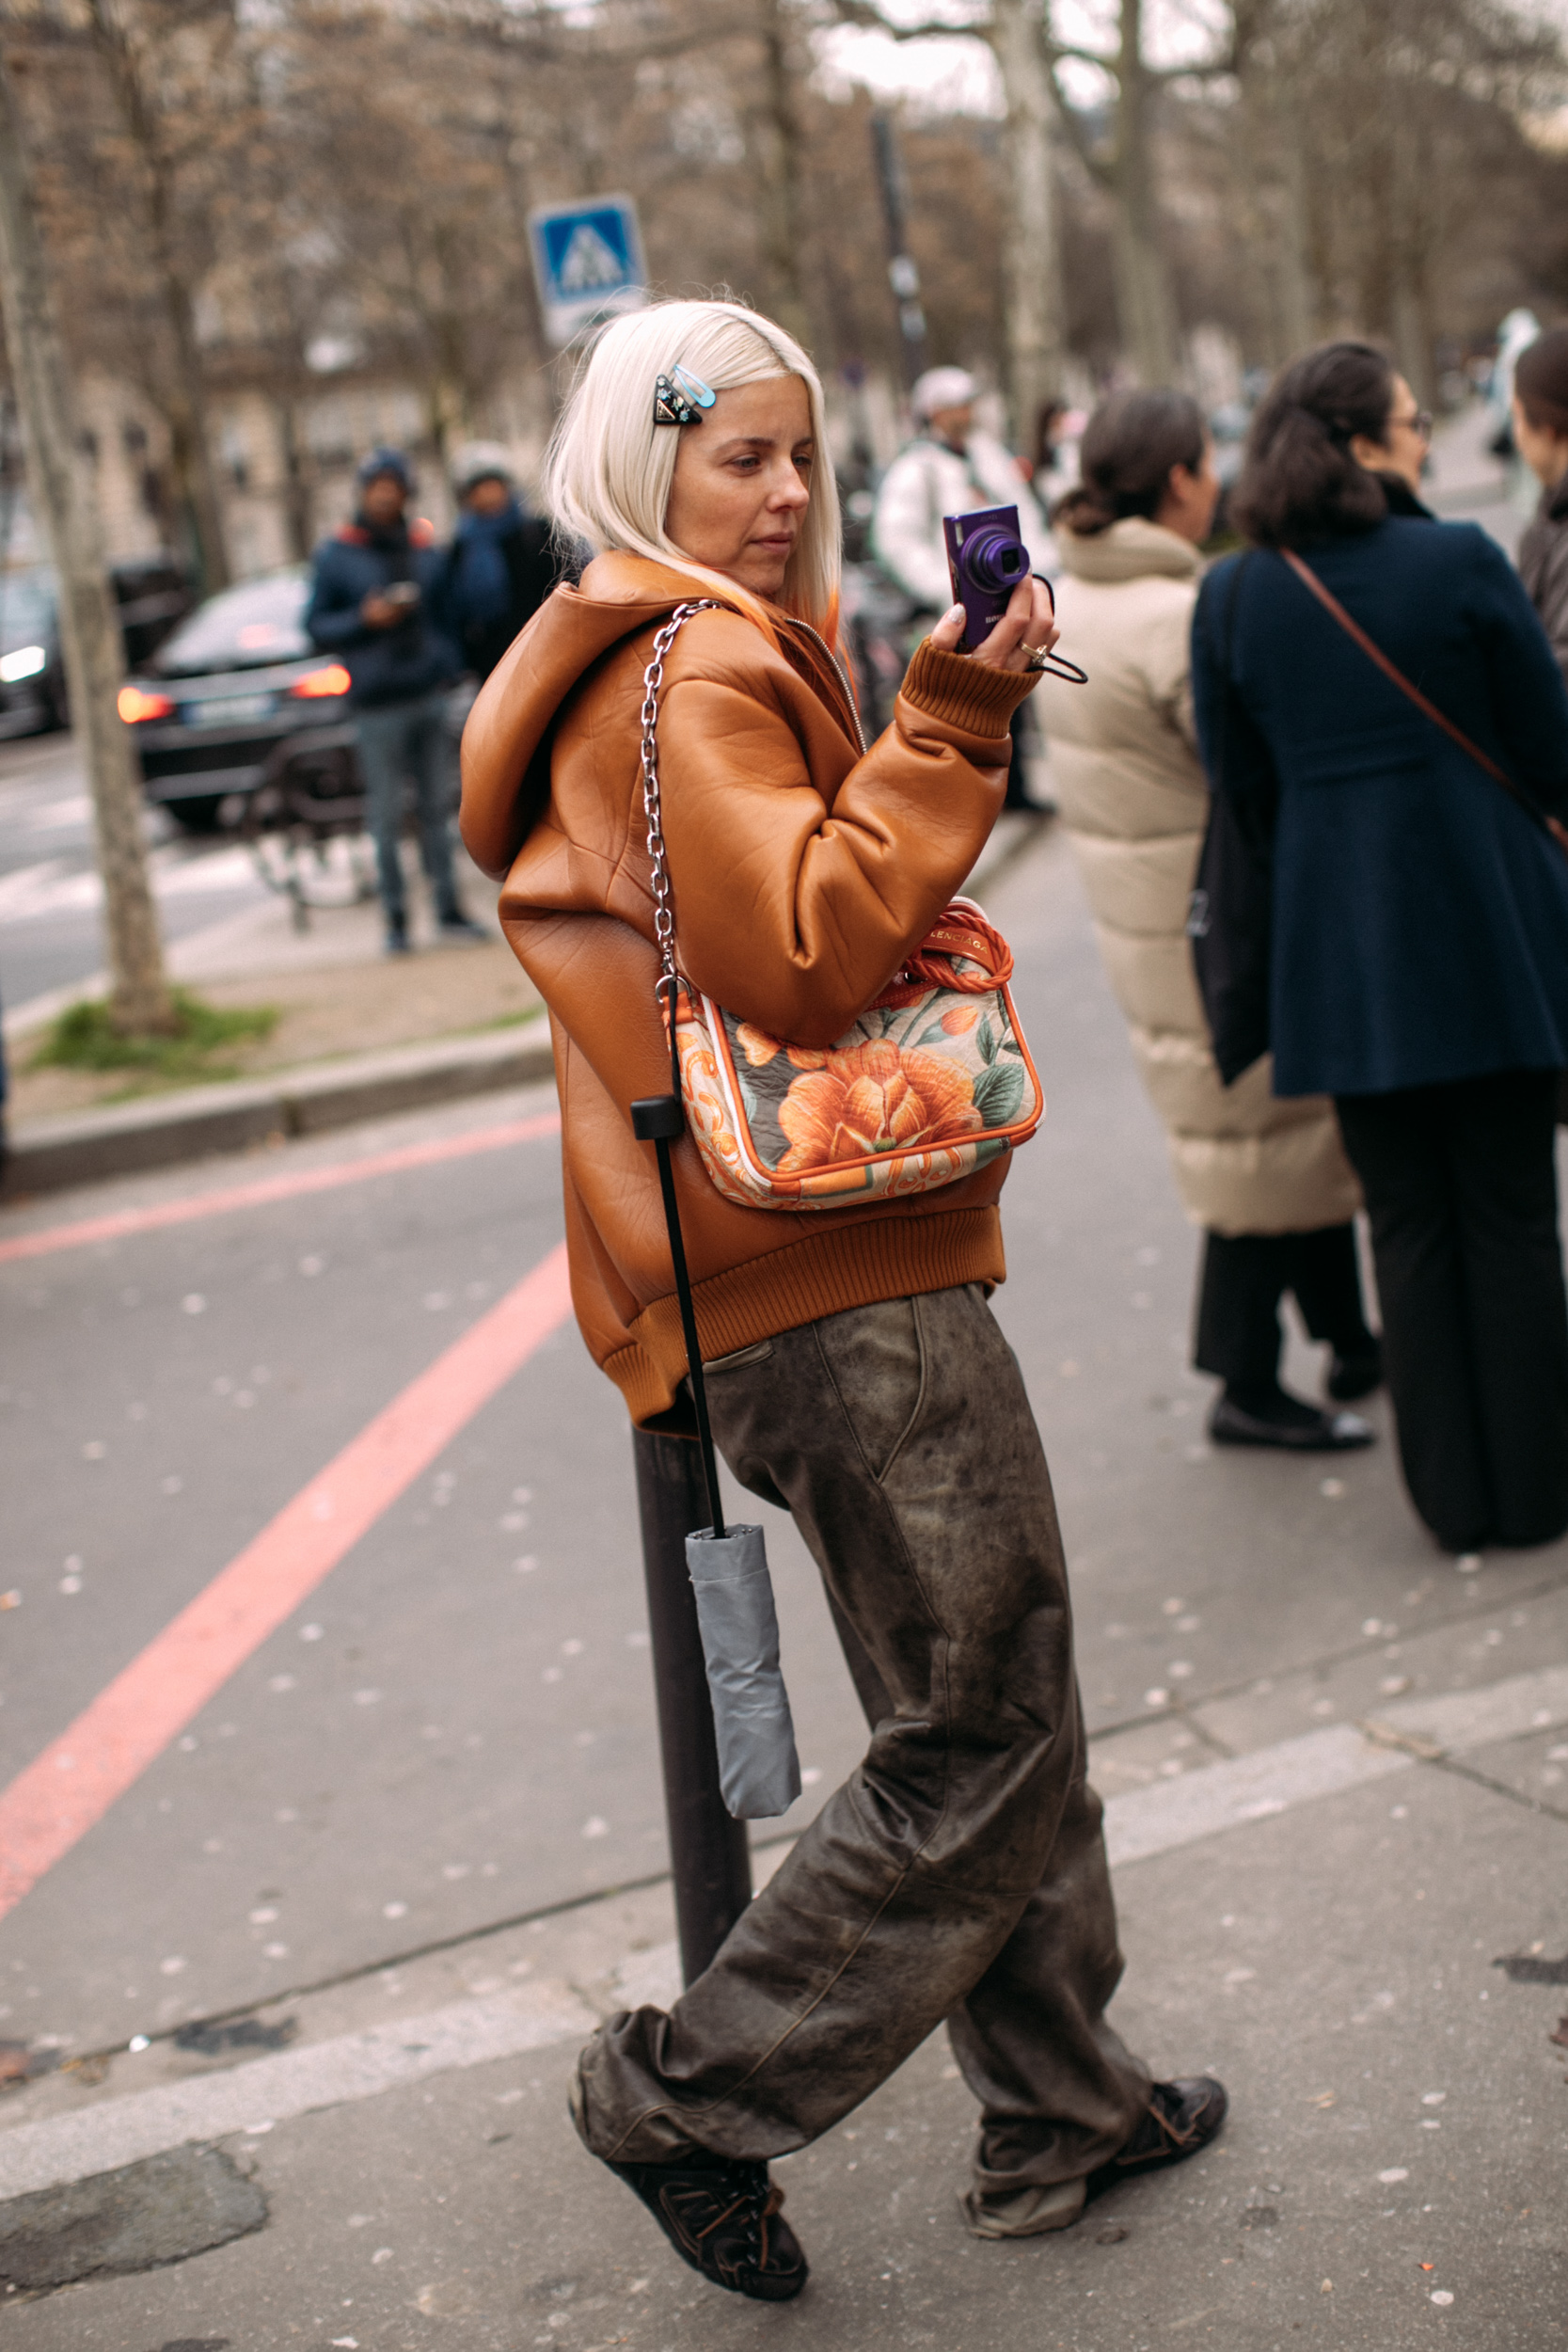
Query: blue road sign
pixel 587 262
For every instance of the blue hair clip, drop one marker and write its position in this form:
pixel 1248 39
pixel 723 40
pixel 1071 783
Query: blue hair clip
pixel 679 397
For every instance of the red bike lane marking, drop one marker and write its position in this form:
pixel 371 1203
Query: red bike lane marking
pixel 281 1187
pixel 57 1798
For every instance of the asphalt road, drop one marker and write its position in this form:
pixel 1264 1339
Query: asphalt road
pixel 51 901
pixel 452 1730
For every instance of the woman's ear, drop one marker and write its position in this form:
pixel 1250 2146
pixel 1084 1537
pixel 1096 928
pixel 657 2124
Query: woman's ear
pixel 1174 491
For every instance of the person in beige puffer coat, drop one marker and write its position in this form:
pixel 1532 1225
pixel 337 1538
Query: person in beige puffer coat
pixel 1268 1180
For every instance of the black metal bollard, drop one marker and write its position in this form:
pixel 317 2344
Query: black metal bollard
pixel 710 1856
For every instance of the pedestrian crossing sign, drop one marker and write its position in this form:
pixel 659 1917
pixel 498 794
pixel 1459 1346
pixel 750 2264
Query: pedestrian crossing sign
pixel 587 262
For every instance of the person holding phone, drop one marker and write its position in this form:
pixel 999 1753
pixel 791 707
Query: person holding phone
pixel 378 583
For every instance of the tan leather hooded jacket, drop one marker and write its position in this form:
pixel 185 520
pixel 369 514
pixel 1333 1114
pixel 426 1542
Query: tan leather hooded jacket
pixel 805 871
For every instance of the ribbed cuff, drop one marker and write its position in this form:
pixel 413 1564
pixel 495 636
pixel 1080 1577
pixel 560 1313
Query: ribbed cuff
pixel 964 692
pixel 855 1264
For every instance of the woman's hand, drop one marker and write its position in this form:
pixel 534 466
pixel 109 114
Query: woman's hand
pixel 1029 620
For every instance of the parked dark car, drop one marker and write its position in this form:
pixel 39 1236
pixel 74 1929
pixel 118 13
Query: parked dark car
pixel 236 694
pixel 32 678
pixel 152 596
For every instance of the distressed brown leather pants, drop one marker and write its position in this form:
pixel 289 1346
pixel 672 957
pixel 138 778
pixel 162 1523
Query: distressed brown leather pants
pixel 961 1872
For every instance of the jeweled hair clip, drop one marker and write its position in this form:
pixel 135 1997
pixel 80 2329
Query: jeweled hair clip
pixel 680 397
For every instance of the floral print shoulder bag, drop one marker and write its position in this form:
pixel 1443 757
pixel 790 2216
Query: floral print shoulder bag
pixel 933 1080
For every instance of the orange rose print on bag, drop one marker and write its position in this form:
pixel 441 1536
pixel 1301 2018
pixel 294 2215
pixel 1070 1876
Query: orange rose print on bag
pixel 872 1098
pixel 932 1082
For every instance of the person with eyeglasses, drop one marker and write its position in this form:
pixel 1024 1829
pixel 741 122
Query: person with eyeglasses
pixel 1385 730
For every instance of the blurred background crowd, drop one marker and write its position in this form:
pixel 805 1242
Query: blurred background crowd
pixel 281 234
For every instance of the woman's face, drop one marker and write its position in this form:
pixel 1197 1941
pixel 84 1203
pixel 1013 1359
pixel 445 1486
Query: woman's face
pixel 1544 452
pixel 1188 499
pixel 743 482
pixel 1406 437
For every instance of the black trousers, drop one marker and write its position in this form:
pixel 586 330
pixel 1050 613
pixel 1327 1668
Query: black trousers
pixel 1244 1277
pixel 1460 1185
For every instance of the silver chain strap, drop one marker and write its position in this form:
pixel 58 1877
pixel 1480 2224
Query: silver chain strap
pixel 653 678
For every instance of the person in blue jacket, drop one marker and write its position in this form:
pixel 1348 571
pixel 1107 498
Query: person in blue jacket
pixel 1418 950
pixel 500 567
pixel 378 583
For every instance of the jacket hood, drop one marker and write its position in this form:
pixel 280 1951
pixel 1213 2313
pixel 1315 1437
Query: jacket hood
pixel 507 736
pixel 1127 551
pixel 506 742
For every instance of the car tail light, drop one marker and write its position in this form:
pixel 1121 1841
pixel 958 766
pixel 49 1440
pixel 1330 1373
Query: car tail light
pixel 316 684
pixel 136 706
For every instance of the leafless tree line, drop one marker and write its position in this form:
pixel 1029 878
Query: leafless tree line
pixel 231 188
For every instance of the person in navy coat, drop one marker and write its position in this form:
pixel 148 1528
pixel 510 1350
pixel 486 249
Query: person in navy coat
pixel 1418 961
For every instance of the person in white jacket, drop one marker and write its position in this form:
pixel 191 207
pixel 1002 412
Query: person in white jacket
pixel 950 467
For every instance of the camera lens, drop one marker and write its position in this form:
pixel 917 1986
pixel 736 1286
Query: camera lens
pixel 995 559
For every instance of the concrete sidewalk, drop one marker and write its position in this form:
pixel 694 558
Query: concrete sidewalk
pixel 395 2169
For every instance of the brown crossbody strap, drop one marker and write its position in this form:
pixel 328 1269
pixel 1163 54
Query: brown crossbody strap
pixel 1396 677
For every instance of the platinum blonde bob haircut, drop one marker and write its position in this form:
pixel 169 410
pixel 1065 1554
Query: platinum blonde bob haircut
pixel 609 468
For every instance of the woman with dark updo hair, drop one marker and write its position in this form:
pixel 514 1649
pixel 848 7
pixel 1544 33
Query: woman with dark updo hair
pixel 1267 1179
pixel 1379 707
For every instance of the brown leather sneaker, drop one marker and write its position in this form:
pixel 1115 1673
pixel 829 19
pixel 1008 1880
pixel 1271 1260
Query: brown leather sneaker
pixel 724 2219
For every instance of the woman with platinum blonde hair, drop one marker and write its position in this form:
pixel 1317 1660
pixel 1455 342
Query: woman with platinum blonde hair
pixel 854 1372
pixel 610 469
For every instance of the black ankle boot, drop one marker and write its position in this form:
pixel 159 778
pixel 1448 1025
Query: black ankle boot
pixel 1271 1416
pixel 1356 1371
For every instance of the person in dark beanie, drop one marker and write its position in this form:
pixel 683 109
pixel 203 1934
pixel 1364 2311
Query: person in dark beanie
pixel 1418 910
pixel 1540 437
pixel 499 566
pixel 374 603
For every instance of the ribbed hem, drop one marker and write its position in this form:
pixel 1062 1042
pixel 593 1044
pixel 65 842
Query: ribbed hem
pixel 964 692
pixel 825 1273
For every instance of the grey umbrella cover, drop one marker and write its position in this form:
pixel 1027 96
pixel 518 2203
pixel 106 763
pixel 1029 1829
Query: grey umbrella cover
pixel 759 1772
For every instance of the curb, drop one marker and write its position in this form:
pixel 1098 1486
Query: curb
pixel 133 1138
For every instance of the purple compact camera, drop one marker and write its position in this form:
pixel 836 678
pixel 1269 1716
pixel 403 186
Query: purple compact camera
pixel 986 560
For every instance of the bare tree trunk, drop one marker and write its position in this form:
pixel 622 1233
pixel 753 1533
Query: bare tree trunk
pixel 780 140
pixel 90 627
pixel 1031 252
pixel 1143 301
pixel 1407 303
pixel 1298 303
pixel 185 405
pixel 298 487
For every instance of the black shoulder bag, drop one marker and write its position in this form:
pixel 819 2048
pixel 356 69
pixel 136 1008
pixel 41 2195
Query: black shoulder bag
pixel 1231 915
